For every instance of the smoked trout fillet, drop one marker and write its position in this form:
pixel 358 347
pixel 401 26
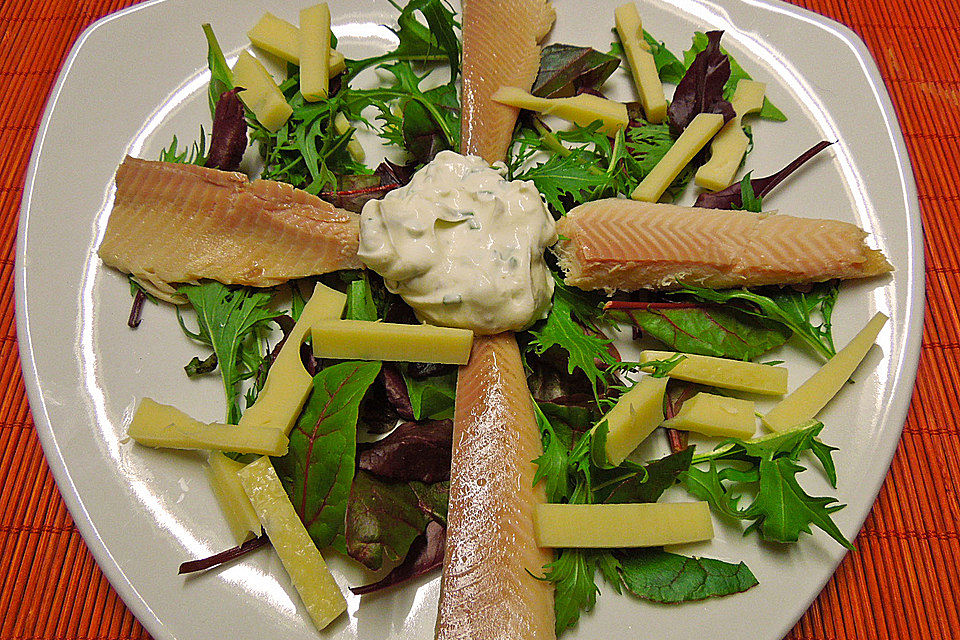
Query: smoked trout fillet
pixel 628 245
pixel 487 591
pixel 178 223
pixel 499 50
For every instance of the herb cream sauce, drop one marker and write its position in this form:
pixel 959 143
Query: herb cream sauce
pixel 463 246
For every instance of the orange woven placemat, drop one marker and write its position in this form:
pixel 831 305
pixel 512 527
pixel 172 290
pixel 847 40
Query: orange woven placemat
pixel 901 583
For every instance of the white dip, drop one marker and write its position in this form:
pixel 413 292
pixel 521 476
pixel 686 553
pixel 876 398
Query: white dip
pixel 463 246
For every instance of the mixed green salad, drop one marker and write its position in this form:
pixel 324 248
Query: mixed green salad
pixel 382 500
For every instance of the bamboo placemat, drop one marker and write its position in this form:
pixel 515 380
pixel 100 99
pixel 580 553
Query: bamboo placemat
pixel 901 583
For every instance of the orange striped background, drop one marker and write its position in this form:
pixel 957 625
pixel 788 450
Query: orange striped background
pixel 902 583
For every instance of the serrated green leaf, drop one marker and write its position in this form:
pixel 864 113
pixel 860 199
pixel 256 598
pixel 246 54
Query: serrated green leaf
pixel 563 328
pixel 782 510
pixel 229 320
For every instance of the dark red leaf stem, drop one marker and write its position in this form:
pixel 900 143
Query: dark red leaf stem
pixel 224 556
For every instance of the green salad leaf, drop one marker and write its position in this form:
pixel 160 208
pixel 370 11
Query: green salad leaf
pixel 709 330
pixel 318 469
pixel 566 326
pixel 795 309
pixel 221 76
pixel 431 397
pixel 767 468
pixel 230 321
pixel 659 576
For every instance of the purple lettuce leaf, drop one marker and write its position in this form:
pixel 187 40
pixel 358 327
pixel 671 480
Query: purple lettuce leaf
pixel 732 196
pixel 566 70
pixel 414 451
pixel 382 521
pixel 229 138
pixel 701 88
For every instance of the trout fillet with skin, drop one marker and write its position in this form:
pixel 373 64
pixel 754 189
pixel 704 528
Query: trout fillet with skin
pixel 487 591
pixel 628 245
pixel 178 223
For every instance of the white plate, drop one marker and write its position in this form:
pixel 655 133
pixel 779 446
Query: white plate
pixel 136 78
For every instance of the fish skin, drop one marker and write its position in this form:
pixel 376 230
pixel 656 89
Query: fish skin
pixel 488 591
pixel 178 223
pixel 628 245
pixel 499 50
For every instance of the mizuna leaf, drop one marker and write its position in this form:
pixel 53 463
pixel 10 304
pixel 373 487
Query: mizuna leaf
pixel 573 573
pixel 318 468
pixel 782 510
pixel 702 87
pixel 767 468
pixel 654 574
pixel 228 319
pixel 564 327
pixel 565 180
pixel 565 70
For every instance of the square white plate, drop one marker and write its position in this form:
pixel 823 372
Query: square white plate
pixel 136 78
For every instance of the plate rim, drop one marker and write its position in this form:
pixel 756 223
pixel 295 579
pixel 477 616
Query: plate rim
pixel 111 568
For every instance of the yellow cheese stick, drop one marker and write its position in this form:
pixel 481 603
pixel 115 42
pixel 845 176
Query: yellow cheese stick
pixel 724 373
pixel 288 384
pixel 729 145
pixel 714 415
pixel 814 394
pixel 282 39
pixel 622 525
pixel 582 110
pixel 260 93
pixel 300 557
pixel 360 340
pixel 642 66
pixel 163 426
pixel 342 125
pixel 236 507
pixel 695 137
pixel 637 413
pixel 314 46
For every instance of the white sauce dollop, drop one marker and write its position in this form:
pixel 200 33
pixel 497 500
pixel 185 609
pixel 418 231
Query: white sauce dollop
pixel 463 246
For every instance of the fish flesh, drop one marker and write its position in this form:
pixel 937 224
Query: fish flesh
pixel 488 590
pixel 178 223
pixel 628 245
pixel 500 49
